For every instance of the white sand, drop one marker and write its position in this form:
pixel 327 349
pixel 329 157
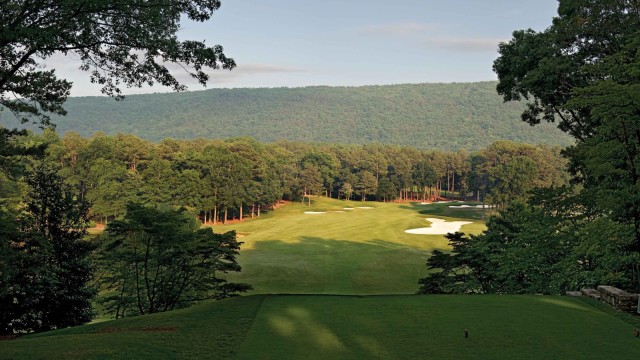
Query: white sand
pixel 439 227
pixel 315 212
pixel 469 206
pixel 443 202
pixel 348 208
pixel 338 211
pixel 365 207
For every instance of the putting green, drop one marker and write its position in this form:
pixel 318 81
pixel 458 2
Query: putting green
pixel 329 249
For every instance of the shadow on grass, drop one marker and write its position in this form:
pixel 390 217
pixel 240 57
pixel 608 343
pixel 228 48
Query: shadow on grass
pixel 315 265
pixel 412 327
pixel 445 210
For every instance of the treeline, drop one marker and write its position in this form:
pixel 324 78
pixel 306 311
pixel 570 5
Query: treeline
pixel 239 178
pixel 425 116
pixel 581 71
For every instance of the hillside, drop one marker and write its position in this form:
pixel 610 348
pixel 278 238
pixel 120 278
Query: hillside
pixel 350 327
pixel 443 116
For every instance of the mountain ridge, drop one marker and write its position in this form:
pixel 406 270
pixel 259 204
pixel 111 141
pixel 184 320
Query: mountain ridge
pixel 446 116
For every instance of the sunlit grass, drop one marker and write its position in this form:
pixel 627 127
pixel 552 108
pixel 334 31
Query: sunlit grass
pixel 359 251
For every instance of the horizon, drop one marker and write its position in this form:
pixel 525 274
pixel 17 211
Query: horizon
pixel 285 87
pixel 297 43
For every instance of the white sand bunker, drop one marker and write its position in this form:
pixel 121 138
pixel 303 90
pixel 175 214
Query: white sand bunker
pixel 470 206
pixel 348 208
pixel 365 207
pixel 315 212
pixel 439 227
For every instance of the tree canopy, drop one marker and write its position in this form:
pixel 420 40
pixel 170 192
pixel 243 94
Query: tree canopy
pixel 446 117
pixel 123 43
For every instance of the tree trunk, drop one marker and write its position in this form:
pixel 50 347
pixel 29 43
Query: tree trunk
pixel 259 206
pixel 240 212
pixel 215 214
pixel 226 213
pixel 453 182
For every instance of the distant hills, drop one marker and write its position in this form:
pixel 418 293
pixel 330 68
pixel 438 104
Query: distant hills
pixel 427 116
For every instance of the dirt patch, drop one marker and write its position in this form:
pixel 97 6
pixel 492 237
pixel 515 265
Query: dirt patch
pixel 160 329
pixel 8 337
pixel 111 329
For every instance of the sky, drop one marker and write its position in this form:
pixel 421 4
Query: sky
pixel 296 43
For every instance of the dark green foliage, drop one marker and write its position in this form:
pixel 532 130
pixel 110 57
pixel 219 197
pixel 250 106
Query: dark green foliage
pixel 157 260
pixel 240 178
pixel 547 245
pixel 426 116
pixel 46 285
pixel 582 72
pixel 120 43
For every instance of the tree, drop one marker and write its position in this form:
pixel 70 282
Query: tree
pixel 159 259
pixel 582 72
pixel 48 285
pixel 424 176
pixel 119 43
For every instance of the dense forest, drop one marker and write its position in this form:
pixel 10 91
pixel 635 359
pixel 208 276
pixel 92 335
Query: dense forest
pixel 238 178
pixel 426 116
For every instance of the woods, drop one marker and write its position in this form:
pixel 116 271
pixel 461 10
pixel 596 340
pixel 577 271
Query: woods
pixel 239 178
pixel 581 73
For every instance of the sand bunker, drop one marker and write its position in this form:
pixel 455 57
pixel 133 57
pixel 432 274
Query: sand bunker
pixel 348 208
pixel 439 227
pixel 315 212
pixel 365 207
pixel 470 206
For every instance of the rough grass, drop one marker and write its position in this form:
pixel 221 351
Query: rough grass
pixel 351 327
pixel 359 251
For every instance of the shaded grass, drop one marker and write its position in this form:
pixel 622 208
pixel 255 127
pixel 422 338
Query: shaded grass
pixel 359 251
pixel 351 327
pixel 209 330
pixel 431 327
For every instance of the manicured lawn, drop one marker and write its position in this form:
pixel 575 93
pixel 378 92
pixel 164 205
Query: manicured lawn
pixel 354 252
pixel 359 251
pixel 210 330
pixel 432 327
pixel 351 327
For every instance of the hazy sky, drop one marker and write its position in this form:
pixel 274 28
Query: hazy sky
pixel 292 43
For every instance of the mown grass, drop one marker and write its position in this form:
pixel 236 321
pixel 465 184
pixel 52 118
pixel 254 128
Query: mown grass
pixel 359 251
pixel 210 330
pixel 351 327
pixel 362 251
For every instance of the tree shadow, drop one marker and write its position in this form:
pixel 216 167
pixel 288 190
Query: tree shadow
pixel 315 265
pixel 445 209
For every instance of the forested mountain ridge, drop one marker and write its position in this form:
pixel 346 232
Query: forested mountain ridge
pixel 426 116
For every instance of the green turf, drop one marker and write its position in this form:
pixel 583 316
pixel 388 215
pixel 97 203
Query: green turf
pixel 209 330
pixel 351 327
pixel 362 251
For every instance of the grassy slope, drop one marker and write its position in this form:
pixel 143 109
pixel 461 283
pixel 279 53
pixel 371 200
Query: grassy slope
pixel 363 251
pixel 210 330
pixel 351 327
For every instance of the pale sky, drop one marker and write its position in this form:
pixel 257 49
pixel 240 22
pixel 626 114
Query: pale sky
pixel 293 43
